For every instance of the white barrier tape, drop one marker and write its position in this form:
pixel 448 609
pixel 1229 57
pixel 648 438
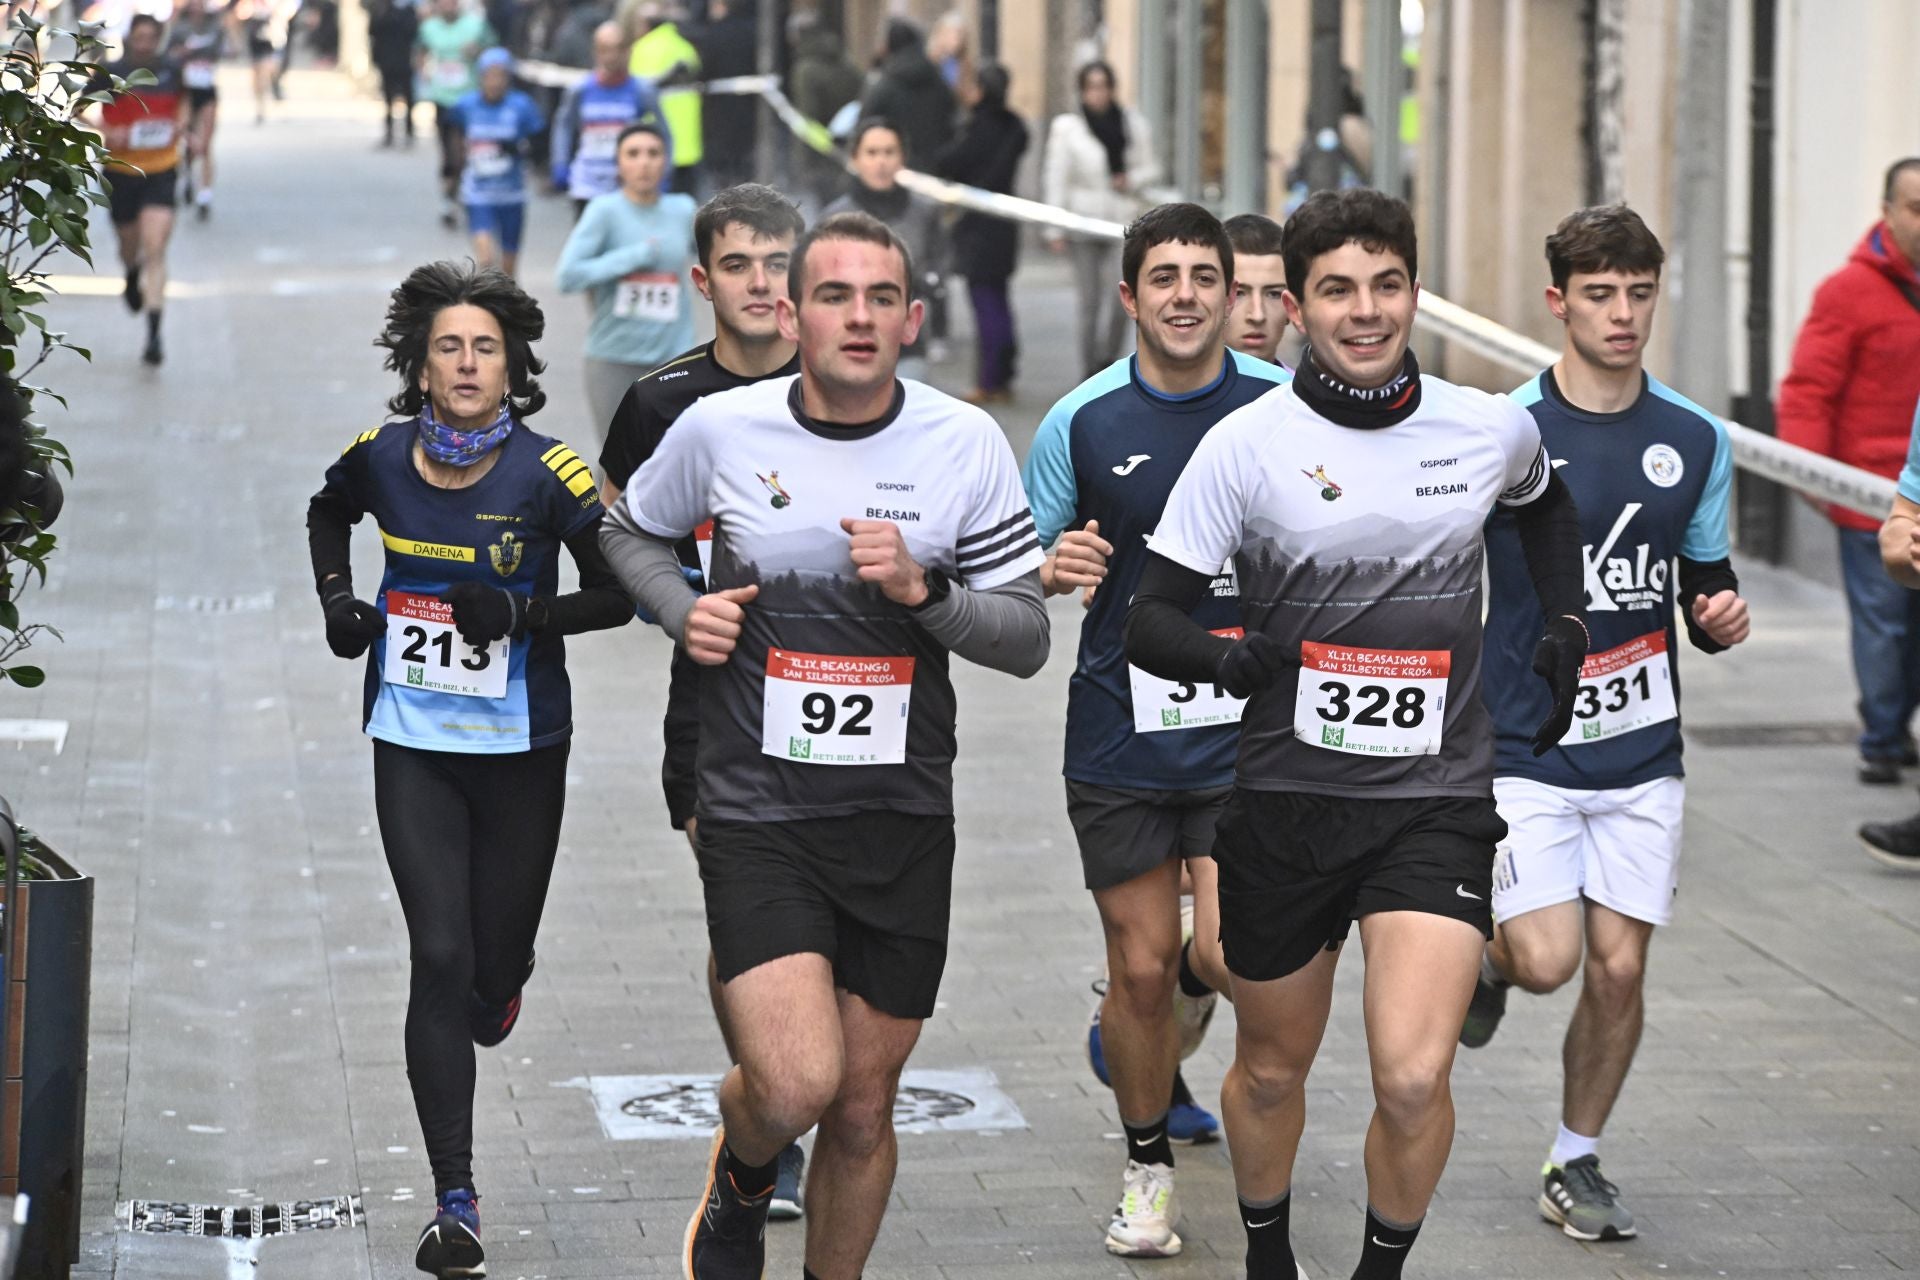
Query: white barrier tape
pixel 1754 451
pixel 551 75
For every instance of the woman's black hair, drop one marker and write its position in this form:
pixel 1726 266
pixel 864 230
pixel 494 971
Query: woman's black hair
pixel 431 289
pixel 1088 68
pixel 993 80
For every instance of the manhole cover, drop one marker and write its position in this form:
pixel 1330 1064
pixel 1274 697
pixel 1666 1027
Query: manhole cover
pixel 1809 734
pixel 697 1106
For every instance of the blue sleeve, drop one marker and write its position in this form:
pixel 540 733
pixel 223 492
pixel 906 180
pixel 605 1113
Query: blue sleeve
pixel 1048 476
pixel 560 145
pixel 1706 537
pixel 532 123
pixel 1910 474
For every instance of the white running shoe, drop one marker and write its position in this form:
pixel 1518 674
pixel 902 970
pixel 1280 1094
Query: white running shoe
pixel 1191 1014
pixel 1142 1225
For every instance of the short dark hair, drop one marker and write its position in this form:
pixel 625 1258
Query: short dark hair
pixel 1602 237
pixel 140 20
pixel 993 80
pixel 1327 220
pixel 431 289
pixel 642 126
pixel 754 205
pixel 1894 171
pixel 852 225
pixel 1174 223
pixel 867 124
pixel 1088 68
pixel 1254 235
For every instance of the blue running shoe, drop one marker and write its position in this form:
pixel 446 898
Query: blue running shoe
pixel 450 1246
pixel 1191 1125
pixel 1096 1056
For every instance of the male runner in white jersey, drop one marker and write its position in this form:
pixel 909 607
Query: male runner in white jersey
pixel 1259 287
pixel 1352 501
pixel 1148 763
pixel 1591 860
pixel 865 529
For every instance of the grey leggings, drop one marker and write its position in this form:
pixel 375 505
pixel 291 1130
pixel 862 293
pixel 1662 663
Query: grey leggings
pixel 1096 282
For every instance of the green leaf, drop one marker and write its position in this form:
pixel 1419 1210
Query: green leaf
pixel 38 233
pixel 25 677
pixel 9 615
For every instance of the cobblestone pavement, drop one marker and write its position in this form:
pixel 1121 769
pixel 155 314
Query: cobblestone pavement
pixel 250 963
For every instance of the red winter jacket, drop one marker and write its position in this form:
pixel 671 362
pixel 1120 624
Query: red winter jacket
pixel 1855 378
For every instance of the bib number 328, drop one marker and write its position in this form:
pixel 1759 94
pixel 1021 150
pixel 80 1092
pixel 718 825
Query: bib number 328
pixel 1371 702
pixel 823 708
pixel 424 651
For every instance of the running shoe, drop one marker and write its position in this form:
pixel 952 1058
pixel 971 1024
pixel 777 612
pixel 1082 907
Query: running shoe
pixel 203 203
pixel 1142 1225
pixel 787 1204
pixel 1893 844
pixel 1096 1056
pixel 152 354
pixel 449 214
pixel 1192 1014
pixel 727 1239
pixel 492 1023
pixel 132 295
pixel 1191 1125
pixel 1585 1205
pixel 1880 771
pixel 1484 1011
pixel 450 1246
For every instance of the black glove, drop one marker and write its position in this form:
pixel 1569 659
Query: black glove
pixel 1253 664
pixel 483 614
pixel 1557 659
pixel 352 623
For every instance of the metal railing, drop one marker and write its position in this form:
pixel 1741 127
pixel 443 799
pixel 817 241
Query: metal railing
pixel 1753 451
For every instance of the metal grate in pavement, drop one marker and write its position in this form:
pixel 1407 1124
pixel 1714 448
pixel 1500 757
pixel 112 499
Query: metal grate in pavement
pixel 159 1217
pixel 1808 734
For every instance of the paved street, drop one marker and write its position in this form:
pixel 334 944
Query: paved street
pixel 250 962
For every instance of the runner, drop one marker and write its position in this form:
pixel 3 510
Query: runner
pixel 467 698
pixel 196 44
pixel 496 121
pixel 588 124
pixel 393 31
pixel 744 237
pixel 865 529
pixel 1148 763
pixel 1352 502
pixel 257 26
pixel 1593 848
pixel 142 128
pixel 449 43
pixel 1259 281
pixel 630 252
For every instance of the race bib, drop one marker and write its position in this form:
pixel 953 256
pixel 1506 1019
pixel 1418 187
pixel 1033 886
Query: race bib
pixel 648 295
pixel 449 73
pixel 822 708
pixel 1371 702
pixel 199 75
pixel 489 159
pixel 424 651
pixel 1623 689
pixel 599 141
pixel 1159 705
pixel 150 134
pixel 703 545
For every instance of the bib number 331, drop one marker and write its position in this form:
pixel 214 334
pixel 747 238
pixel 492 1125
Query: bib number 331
pixel 1371 702
pixel 424 651
pixel 1160 705
pixel 1623 689
pixel 824 708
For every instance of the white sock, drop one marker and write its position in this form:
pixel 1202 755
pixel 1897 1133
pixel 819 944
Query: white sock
pixel 1568 1145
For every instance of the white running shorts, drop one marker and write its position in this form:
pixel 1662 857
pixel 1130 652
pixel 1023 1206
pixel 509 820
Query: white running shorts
pixel 1619 847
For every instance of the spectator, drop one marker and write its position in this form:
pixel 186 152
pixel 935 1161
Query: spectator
pixel 985 248
pixel 947 49
pixel 1098 160
pixel 911 93
pixel 587 127
pixel 667 58
pixel 1850 395
pixel 572 42
pixel 729 46
pixel 879 154
pixel 392 28
pixel 821 81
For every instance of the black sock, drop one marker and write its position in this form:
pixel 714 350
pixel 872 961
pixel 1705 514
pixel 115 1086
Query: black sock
pixel 1190 982
pixel 751 1181
pixel 1182 1096
pixel 1148 1143
pixel 153 325
pixel 1269 1239
pixel 1385 1249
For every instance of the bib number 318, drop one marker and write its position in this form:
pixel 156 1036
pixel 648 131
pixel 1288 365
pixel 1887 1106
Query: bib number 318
pixel 1371 702
pixel 823 708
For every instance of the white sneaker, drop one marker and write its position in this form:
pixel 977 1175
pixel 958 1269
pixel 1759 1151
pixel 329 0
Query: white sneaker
pixel 1142 1225
pixel 1191 1014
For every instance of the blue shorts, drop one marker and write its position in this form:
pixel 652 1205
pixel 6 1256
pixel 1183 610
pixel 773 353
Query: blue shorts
pixel 503 222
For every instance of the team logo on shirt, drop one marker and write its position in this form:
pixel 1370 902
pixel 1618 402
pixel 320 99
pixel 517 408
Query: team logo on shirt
pixel 1328 489
pixel 1662 464
pixel 506 553
pixel 781 498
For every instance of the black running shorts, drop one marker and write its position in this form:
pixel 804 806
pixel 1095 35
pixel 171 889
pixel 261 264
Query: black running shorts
pixel 1297 870
pixel 446 123
pixel 129 193
pixel 680 732
pixel 869 891
pixel 1125 832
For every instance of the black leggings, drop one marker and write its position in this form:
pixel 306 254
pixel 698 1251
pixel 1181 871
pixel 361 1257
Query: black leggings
pixel 471 841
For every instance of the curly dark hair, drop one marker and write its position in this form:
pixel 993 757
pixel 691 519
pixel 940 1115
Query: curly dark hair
pixel 431 289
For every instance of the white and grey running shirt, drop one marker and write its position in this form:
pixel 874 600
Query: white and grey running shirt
pixel 1363 548
pixel 837 700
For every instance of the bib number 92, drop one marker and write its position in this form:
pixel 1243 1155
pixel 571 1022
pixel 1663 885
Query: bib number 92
pixel 847 715
pixel 826 708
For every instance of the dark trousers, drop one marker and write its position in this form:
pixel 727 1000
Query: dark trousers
pixel 1885 618
pixel 396 86
pixel 998 346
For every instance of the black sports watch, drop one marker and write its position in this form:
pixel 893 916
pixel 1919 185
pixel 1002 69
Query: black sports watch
pixel 939 587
